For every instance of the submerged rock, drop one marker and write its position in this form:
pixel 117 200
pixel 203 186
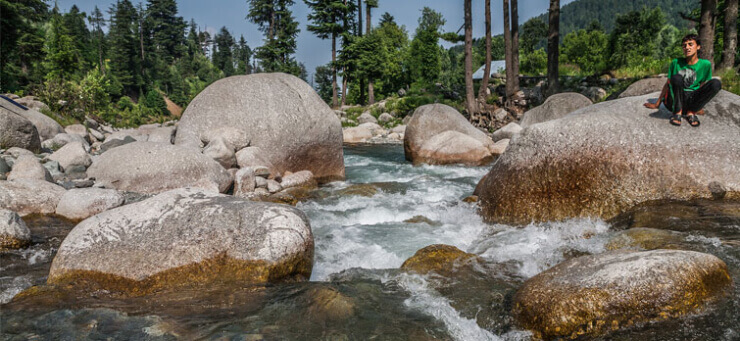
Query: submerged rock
pixel 279 113
pixel 439 258
pixel 13 231
pixel 644 238
pixel 27 196
pixel 595 294
pixel 148 167
pixel 186 237
pixel 606 158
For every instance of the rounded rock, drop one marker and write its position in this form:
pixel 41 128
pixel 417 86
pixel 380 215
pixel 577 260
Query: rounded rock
pixel 72 155
pixel 555 107
pixel 29 167
pixel 79 204
pixel 438 258
pixel 26 196
pixel 186 237
pixel 13 231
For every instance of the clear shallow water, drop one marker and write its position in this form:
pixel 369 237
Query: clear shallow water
pixel 364 229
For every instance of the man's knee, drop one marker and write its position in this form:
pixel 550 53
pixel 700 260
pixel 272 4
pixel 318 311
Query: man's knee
pixel 715 84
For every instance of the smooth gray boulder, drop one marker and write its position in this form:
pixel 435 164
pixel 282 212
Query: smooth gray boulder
pixel 71 155
pixel 82 203
pixel 149 167
pixel 45 125
pixel 356 135
pixel 434 119
pixel 76 129
pixel 136 134
pixel 385 117
pixel 367 118
pixel 29 167
pixel 236 138
pixel 644 87
pixel 186 237
pixel 299 179
pixel 17 131
pixel 14 234
pixel 61 140
pixel 596 294
pixel 506 132
pixel 26 196
pixel 555 107
pixel 244 182
pixel 280 113
pixel 162 135
pixel 604 159
pixel 17 152
pixel 255 158
pixel 223 153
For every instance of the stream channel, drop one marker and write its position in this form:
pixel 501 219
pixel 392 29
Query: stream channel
pixel 364 228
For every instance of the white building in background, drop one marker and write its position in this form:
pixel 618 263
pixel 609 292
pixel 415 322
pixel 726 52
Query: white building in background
pixel 497 66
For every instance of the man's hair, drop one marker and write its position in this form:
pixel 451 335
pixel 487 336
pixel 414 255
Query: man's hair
pixel 691 36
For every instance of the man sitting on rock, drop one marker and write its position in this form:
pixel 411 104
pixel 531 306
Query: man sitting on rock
pixel 690 85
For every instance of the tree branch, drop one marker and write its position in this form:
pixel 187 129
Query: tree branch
pixel 688 17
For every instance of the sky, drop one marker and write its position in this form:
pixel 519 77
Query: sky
pixel 212 15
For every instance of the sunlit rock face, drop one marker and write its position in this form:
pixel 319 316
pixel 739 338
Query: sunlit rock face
pixel 439 135
pixel 597 294
pixel 606 158
pixel 279 113
pixel 186 237
pixel 556 106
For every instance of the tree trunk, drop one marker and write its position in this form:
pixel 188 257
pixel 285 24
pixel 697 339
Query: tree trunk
pixel 514 48
pixel 553 39
pixel 507 49
pixel 469 89
pixel 483 93
pixel 334 100
pixel 706 29
pixel 345 81
pixel 368 18
pixel 728 55
pixel 271 29
pixel 359 17
pixel 370 92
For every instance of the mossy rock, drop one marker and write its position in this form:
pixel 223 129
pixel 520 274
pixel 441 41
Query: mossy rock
pixel 593 295
pixel 420 219
pixel 644 238
pixel 439 258
pixel 328 304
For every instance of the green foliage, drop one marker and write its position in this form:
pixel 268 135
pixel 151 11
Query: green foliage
pixel 62 56
pixel 154 101
pixel 633 39
pixel 223 54
pixel 587 49
pixel 276 20
pixel 534 34
pixel 424 56
pixel 322 79
pixel 730 80
pixel 93 94
pixel 19 19
pixel 534 63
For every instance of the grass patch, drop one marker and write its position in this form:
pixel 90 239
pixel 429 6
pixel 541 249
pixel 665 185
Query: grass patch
pixel 730 80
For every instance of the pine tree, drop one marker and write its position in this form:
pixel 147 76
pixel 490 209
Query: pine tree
pixel 223 54
pixel 243 56
pixel 326 19
pixel 275 19
pixel 97 21
pixel 424 55
pixel 17 20
pixel 124 54
pixel 62 56
pixel 166 29
pixel 74 23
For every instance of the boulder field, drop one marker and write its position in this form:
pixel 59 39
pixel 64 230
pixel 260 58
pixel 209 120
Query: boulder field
pixel 278 113
pixel 186 237
pixel 596 294
pixel 606 158
pixel 437 134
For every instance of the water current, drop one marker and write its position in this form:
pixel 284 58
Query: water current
pixel 364 229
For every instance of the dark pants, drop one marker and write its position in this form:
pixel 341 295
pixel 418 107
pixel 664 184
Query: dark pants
pixel 679 99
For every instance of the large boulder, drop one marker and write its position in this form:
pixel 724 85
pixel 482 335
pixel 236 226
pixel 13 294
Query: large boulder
pixel 279 113
pixel 149 167
pixel 29 167
pixel 556 106
pixel 186 237
pixel 431 120
pixel 595 294
pixel 45 125
pixel 78 204
pixel 644 87
pixel 356 135
pixel 73 154
pixel 26 196
pixel 607 158
pixel 13 231
pixel 17 131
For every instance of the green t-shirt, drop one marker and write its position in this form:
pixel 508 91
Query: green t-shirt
pixel 693 75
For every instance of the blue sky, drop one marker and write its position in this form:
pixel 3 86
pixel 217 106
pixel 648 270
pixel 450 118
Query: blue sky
pixel 212 15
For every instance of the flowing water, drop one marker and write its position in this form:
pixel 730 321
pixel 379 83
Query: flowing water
pixel 364 229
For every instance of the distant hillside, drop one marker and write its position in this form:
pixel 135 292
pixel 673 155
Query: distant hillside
pixel 580 13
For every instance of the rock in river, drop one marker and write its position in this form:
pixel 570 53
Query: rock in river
pixel 186 237
pixel 438 134
pixel 280 113
pixel 13 231
pixel 609 157
pixel 149 167
pixel 595 294
pixel 27 196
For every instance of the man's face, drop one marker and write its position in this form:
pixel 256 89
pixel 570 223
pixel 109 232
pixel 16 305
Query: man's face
pixel 690 48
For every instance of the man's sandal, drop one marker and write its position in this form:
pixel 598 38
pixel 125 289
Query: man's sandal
pixel 676 120
pixel 693 120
